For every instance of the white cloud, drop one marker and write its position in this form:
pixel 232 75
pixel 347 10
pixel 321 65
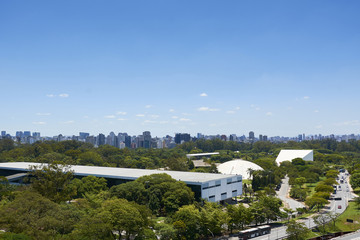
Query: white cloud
pixel 43 114
pixel 39 123
pixel 164 122
pixel 64 95
pixel 140 115
pixel 207 109
pixel 175 117
pixel 121 113
pixel 154 116
pixel 269 114
pixel 110 116
pixel 306 97
pixel 68 122
pixel 316 111
pixel 121 119
pixel 318 126
pixel 184 120
pixel 230 112
pixel 149 121
pixel 237 108
pixel 349 123
pixel 203 95
pixel 255 107
pixel 171 110
pixel 148 106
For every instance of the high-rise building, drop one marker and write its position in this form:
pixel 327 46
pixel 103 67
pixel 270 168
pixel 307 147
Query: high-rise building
pixel 251 136
pixel 101 139
pixel 265 138
pixel 19 134
pixel 261 138
pixel 3 133
pixel 147 139
pixel 182 137
pixel 128 141
pixel 27 134
pixel 83 135
pixel 36 134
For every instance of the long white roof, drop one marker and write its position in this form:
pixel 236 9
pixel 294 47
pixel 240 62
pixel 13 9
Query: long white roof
pixel 288 155
pixel 125 173
pixel 238 166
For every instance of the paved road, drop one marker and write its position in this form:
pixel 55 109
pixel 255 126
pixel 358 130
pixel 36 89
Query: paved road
pixel 343 192
pixel 283 194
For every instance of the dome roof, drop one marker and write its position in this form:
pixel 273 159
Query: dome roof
pixel 239 167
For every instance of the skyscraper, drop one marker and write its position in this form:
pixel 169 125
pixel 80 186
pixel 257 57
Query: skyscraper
pixel 101 139
pixel 251 136
pixel 147 139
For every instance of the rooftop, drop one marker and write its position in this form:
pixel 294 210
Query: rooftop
pixel 125 173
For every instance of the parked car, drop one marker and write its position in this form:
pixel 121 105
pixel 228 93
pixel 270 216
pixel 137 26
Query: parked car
pixel 339 207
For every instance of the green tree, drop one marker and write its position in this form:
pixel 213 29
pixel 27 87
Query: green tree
pixel 324 188
pixel 297 231
pixel 317 202
pixel 90 158
pixel 165 231
pixel 125 217
pixel 186 222
pixel 271 207
pixel 238 216
pixel 355 180
pixel 89 185
pixel 212 218
pixel 53 181
pixel 37 216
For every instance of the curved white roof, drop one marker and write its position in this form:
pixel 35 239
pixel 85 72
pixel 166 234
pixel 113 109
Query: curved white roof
pixel 239 167
pixel 288 155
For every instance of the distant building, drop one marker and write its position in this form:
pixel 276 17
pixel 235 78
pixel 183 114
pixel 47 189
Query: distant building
pixel 261 137
pixel 210 186
pixel 251 136
pixel 289 155
pixel 182 137
pixel 83 135
pixel 27 134
pixel 147 139
pixel 101 139
pixel 128 141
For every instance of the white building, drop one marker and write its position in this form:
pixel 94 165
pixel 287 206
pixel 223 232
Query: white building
pixel 288 155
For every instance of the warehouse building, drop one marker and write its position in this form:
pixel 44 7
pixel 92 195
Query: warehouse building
pixel 210 186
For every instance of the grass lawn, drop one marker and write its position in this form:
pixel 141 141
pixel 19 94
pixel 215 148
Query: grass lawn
pixel 352 212
pixel 247 181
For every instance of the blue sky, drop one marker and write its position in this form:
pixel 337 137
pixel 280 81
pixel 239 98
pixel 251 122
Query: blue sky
pixel 215 67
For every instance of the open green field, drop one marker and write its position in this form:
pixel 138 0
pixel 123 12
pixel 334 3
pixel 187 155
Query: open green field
pixel 352 212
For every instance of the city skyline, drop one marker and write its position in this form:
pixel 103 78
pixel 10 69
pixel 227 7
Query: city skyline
pixel 275 68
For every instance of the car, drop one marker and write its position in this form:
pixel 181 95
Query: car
pixel 339 207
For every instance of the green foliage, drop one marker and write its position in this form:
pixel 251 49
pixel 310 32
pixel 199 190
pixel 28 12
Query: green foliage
pixel 321 187
pixel 297 231
pixel 238 216
pixel 355 180
pixel 317 202
pixel 52 181
pixel 14 236
pixel 89 185
pixel 298 193
pixel 160 192
pixel 37 216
